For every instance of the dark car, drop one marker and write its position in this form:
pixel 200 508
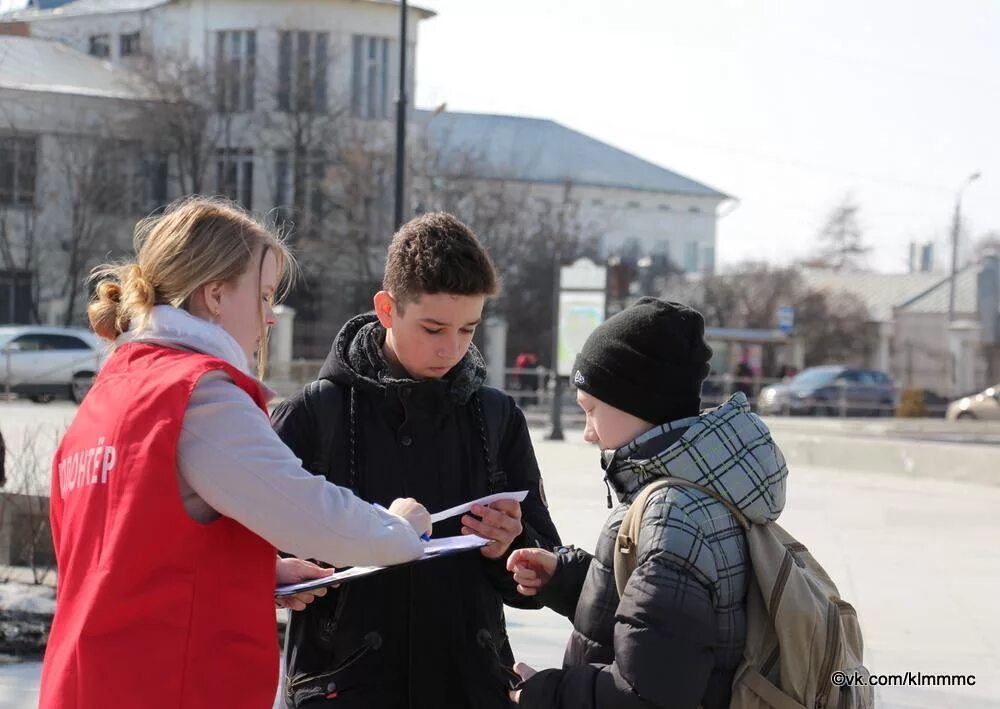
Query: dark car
pixel 832 390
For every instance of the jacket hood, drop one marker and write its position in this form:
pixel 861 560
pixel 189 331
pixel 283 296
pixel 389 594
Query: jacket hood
pixel 356 360
pixel 728 449
pixel 175 327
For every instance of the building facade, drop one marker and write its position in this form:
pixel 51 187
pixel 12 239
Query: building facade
pixel 298 104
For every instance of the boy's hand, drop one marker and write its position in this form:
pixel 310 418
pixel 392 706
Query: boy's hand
pixel 295 571
pixel 501 522
pixel 532 569
pixel 525 672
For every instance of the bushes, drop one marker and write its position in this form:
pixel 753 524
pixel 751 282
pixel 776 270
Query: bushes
pixel 912 404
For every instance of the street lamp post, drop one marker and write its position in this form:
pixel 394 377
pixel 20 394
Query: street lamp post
pixel 956 227
pixel 401 102
pixel 556 433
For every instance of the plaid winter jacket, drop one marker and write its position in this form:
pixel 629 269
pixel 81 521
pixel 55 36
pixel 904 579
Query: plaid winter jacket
pixel 676 635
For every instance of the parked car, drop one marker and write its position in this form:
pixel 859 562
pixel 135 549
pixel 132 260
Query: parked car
pixel 831 390
pixel 46 363
pixel 984 406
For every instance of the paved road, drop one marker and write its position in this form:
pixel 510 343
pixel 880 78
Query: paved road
pixel 917 557
pixel 31 432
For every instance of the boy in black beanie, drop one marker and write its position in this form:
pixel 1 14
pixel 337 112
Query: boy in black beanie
pixel 675 635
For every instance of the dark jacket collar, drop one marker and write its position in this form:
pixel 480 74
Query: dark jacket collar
pixel 356 359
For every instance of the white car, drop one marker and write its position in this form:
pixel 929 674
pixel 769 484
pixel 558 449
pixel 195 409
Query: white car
pixel 46 363
pixel 984 406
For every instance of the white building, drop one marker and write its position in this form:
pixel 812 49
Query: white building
pixel 267 64
pixel 918 343
pixel 631 204
pixel 64 175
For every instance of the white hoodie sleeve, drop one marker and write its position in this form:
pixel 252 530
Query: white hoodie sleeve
pixel 233 461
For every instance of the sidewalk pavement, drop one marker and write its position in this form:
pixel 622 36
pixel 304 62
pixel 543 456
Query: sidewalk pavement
pixel 916 556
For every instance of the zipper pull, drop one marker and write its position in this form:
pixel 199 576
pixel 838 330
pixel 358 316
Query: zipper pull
pixel 608 485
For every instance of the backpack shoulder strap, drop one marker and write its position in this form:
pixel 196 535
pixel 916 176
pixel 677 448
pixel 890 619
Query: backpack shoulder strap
pixel 492 417
pixel 627 542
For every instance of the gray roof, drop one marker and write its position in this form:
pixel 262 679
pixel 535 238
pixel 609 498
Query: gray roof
pixel 47 4
pixel 82 7
pixel 28 64
pixel 98 7
pixel 880 292
pixel 935 299
pixel 539 150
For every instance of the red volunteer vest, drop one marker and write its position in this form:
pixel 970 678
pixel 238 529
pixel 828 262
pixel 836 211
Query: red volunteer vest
pixel 153 608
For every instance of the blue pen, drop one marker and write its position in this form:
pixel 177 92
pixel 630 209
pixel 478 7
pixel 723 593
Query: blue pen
pixel 423 537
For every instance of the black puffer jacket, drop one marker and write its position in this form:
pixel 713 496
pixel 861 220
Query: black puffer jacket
pixel 676 635
pixel 430 634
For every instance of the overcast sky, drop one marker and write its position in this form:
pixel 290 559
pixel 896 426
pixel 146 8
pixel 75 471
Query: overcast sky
pixel 787 105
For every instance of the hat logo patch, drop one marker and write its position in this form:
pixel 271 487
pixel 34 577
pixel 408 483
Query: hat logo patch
pixel 578 378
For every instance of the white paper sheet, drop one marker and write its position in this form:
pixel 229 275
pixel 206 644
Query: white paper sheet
pixel 466 507
pixel 432 549
pixel 436 547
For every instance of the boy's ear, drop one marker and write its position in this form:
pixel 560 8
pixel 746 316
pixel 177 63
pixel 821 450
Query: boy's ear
pixel 385 308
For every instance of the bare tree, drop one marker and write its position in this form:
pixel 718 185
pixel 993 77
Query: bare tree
pixel 842 238
pixel 98 177
pixel 529 232
pixel 21 247
pixel 748 295
pixel 54 222
pixel 834 327
pixel 184 117
pixel 21 251
pixel 329 179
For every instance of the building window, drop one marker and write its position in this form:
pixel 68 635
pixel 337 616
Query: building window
pixel 234 175
pixel 129 45
pixel 632 205
pixel 18 168
pixel 664 207
pixel 708 264
pixel 100 46
pixel 129 180
pixel 694 210
pixel 370 77
pixel 691 257
pixel 303 68
pixel 156 179
pixel 303 186
pixel 235 70
pixel 117 184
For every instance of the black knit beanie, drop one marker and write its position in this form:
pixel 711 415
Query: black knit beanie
pixel 649 360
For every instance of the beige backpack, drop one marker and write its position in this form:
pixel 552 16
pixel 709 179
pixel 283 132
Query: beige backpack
pixel 804 648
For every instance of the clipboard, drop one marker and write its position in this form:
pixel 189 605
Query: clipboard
pixel 433 549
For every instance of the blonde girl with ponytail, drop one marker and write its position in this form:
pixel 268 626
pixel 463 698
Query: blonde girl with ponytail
pixel 171 493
